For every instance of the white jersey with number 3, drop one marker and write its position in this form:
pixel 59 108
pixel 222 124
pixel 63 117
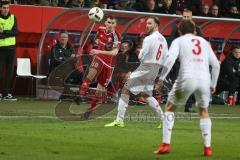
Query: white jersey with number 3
pixel 154 49
pixel 195 55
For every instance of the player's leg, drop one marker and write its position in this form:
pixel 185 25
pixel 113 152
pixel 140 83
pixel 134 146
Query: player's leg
pixel 168 123
pixel 202 97
pixel 148 81
pixel 87 81
pixel 94 69
pixel 122 107
pixel 177 96
pixel 104 77
pixel 133 85
pixel 153 103
pixel 189 104
pixel 99 91
pixel 205 126
pixel 95 100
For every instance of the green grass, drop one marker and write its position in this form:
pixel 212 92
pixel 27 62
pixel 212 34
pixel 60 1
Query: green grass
pixel 43 138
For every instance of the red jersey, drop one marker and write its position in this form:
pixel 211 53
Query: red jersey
pixel 107 40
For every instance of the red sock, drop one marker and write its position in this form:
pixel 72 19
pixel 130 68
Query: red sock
pixel 112 90
pixel 84 87
pixel 93 104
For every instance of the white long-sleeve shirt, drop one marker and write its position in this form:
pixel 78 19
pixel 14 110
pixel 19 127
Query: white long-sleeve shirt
pixel 195 55
pixel 154 49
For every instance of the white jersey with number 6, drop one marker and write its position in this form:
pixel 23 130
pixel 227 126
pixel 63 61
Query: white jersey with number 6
pixel 154 49
pixel 152 55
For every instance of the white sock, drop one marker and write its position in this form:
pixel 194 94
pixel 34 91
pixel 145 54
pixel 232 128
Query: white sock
pixel 122 105
pixel 153 103
pixel 205 126
pixel 168 123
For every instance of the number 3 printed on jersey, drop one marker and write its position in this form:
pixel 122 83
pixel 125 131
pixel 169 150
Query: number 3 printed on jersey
pixel 197 49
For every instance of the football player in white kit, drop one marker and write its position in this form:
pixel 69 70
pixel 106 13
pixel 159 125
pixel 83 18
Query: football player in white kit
pixel 142 80
pixel 195 55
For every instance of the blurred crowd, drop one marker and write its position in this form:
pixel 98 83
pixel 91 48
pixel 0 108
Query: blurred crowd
pixel 206 8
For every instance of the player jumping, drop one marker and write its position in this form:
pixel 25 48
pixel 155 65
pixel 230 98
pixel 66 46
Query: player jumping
pixel 108 42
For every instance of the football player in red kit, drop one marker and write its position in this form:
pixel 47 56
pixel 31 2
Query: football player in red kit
pixel 108 42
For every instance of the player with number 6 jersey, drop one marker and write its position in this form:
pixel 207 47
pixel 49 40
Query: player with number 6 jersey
pixel 142 80
pixel 154 49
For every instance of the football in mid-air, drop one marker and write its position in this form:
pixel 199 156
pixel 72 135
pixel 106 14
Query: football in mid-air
pixel 96 14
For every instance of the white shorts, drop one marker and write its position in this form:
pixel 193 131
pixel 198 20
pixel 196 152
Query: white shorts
pixel 143 79
pixel 184 88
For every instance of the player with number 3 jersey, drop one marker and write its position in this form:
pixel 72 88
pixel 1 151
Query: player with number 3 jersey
pixel 196 56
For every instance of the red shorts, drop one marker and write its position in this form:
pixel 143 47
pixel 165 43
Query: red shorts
pixel 104 71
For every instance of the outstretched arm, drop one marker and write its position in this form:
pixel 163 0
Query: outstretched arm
pixel 113 52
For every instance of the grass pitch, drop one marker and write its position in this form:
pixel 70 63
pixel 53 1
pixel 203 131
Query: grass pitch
pixel 30 130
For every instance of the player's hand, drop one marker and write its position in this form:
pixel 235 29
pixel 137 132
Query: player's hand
pixel 212 89
pixel 159 85
pixel 94 51
pixel 170 82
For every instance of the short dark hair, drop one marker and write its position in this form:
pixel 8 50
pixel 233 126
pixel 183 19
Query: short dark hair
pixel 187 10
pixel 235 47
pixel 186 26
pixel 110 17
pixel 63 31
pixel 155 19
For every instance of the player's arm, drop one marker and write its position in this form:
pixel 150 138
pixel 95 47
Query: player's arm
pixel 215 68
pixel 170 60
pixel 145 49
pixel 112 52
pixel 164 51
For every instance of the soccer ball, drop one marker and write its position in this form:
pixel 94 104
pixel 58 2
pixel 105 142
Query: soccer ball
pixel 96 14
